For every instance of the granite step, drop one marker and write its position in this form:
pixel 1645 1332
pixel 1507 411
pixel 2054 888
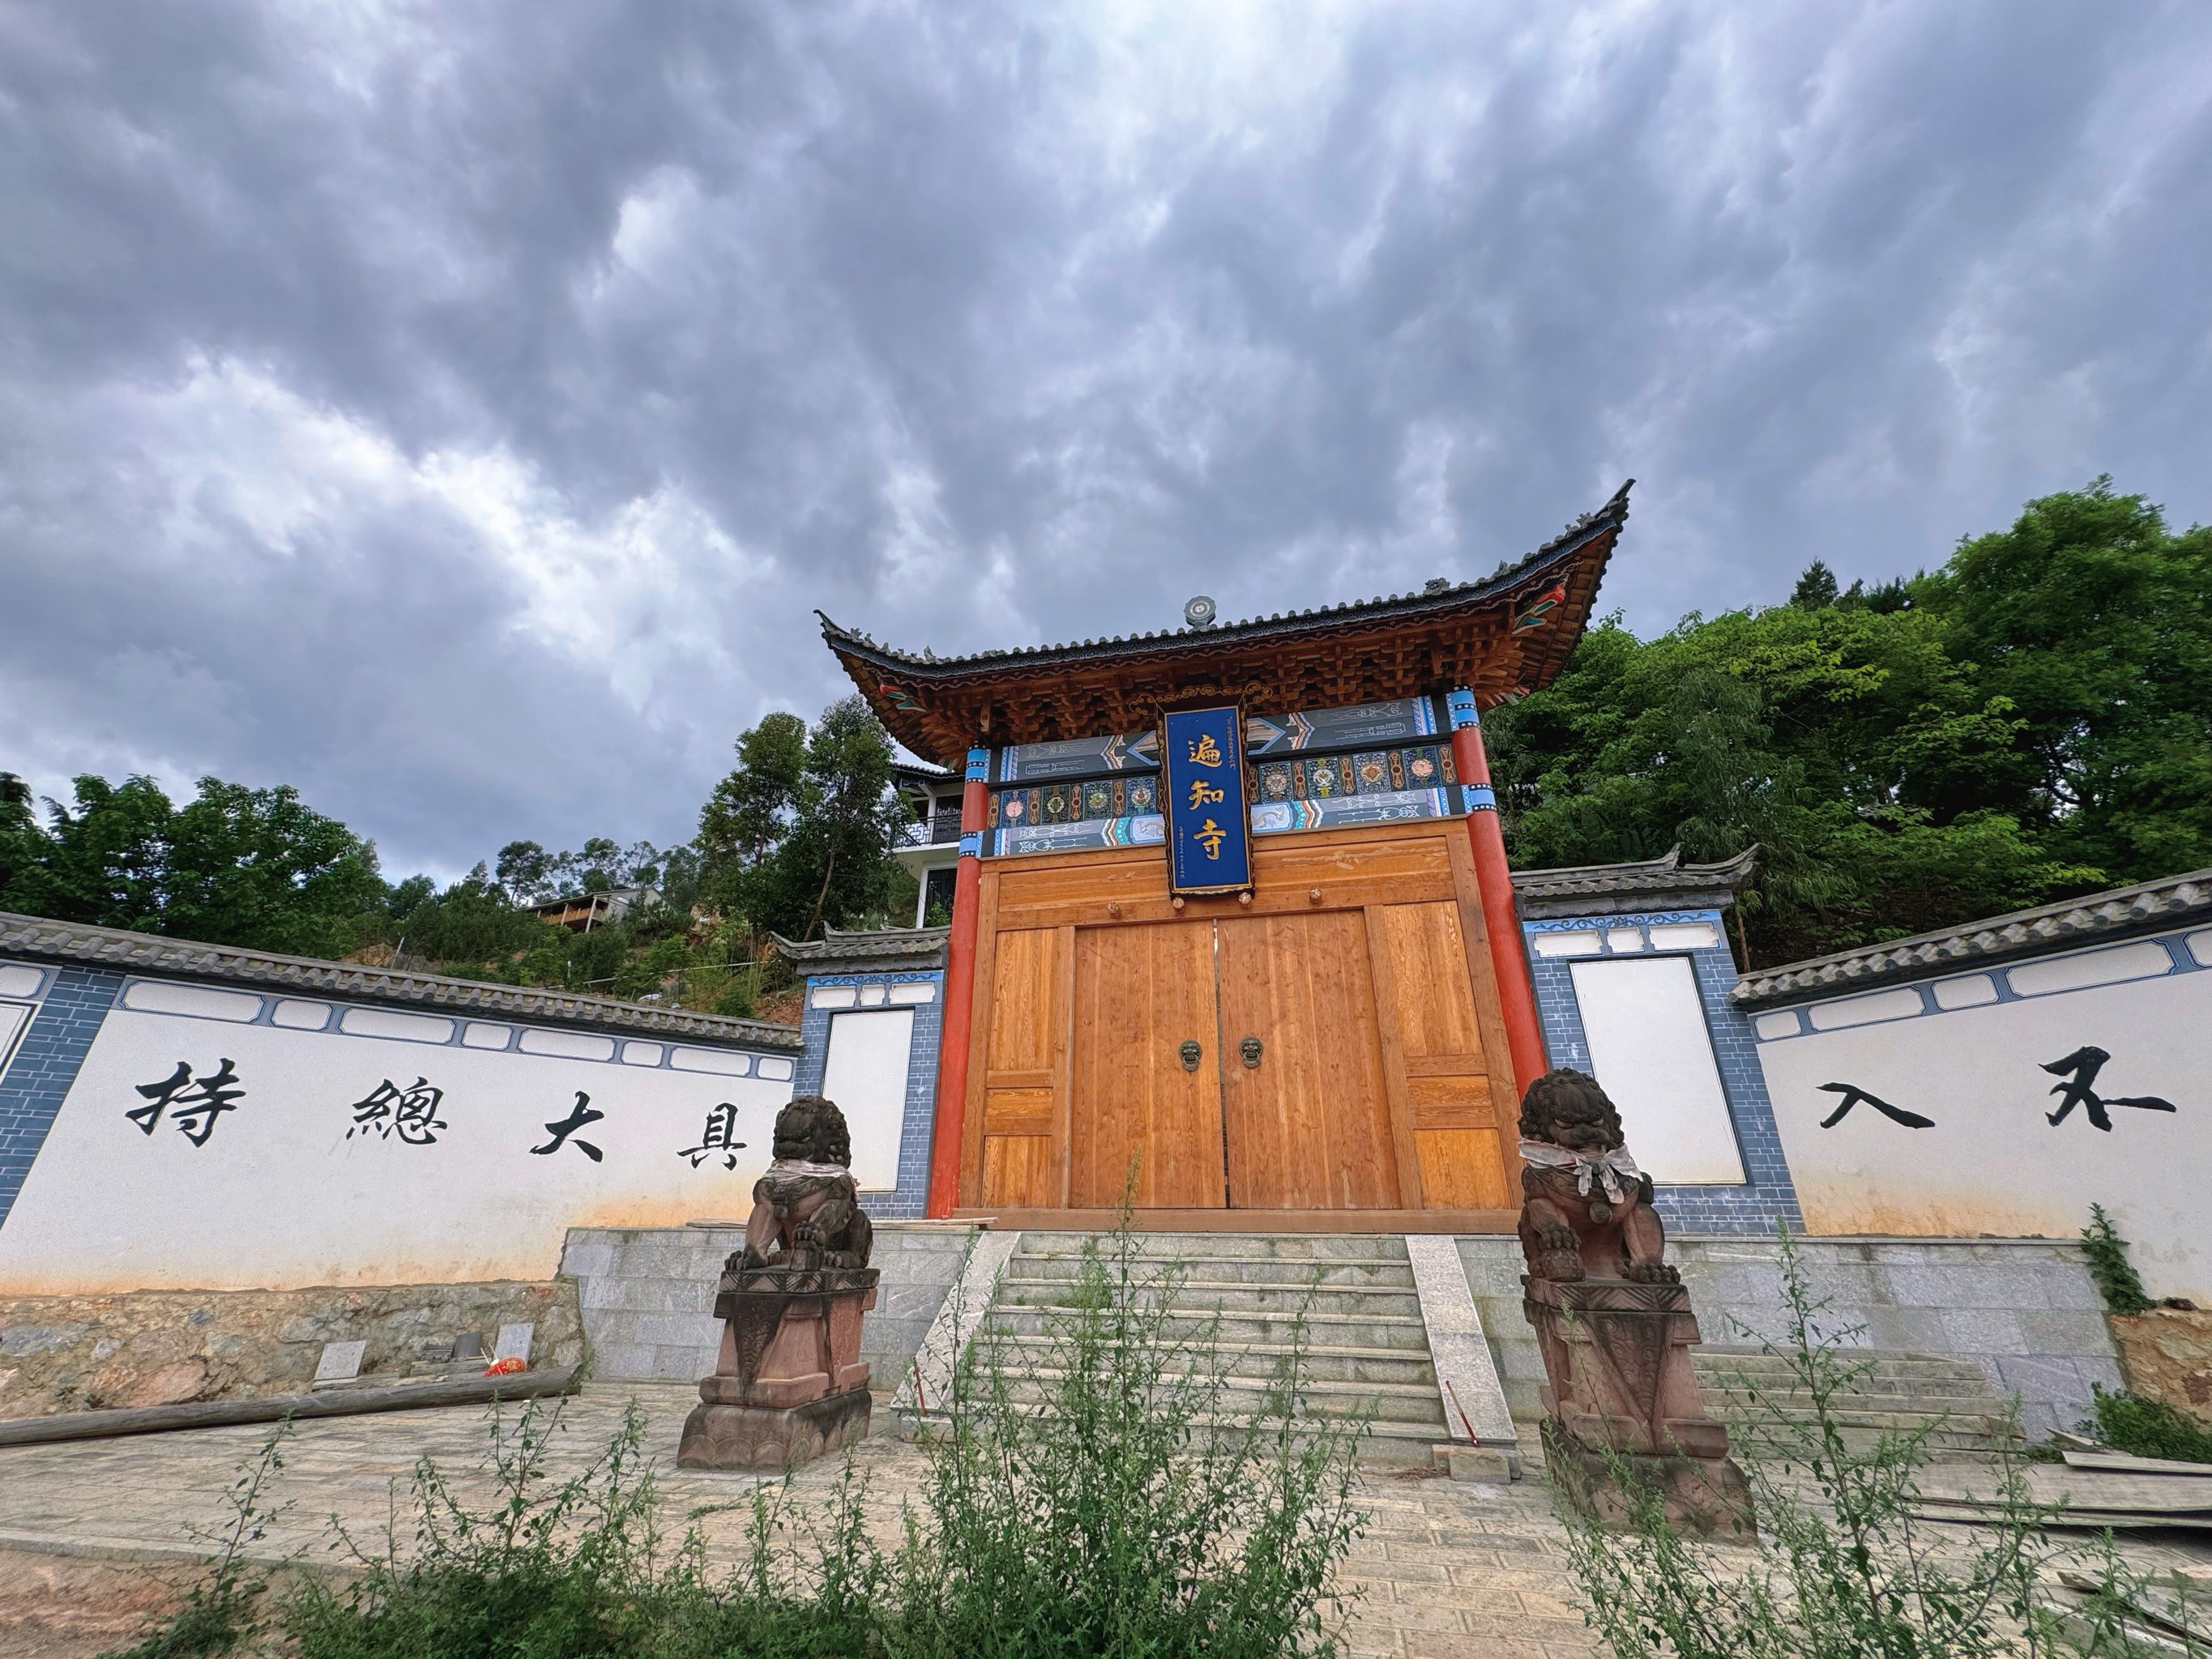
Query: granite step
pixel 1023 1352
pixel 1952 1401
pixel 1238 1302
pixel 1232 1329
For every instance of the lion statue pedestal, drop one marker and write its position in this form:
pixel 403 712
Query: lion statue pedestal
pixel 1614 1323
pixel 790 1384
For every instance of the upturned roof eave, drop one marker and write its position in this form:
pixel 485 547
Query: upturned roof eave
pixel 1194 642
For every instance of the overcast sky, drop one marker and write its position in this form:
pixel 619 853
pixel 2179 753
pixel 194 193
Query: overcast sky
pixel 457 409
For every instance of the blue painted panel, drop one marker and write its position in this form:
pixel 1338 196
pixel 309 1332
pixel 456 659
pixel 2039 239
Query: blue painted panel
pixel 46 1064
pixel 1209 824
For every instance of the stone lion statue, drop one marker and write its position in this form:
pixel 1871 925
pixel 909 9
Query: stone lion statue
pixel 1586 1209
pixel 806 1210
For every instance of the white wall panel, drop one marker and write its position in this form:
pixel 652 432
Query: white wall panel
pixel 1650 1051
pixel 866 1074
pixel 1993 1163
pixel 280 1195
pixel 14 1017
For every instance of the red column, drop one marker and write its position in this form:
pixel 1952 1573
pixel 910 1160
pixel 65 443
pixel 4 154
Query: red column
pixel 1524 1034
pixel 959 995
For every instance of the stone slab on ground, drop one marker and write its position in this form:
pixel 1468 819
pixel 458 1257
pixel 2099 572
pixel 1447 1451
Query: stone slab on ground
pixel 1473 1399
pixel 1447 1568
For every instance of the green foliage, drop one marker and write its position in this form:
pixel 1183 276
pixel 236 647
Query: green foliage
pixel 799 836
pixel 1114 1523
pixel 234 865
pixel 556 1570
pixel 2096 625
pixel 1116 1519
pixel 2032 721
pixel 1843 1568
pixel 2148 1428
pixel 2106 1254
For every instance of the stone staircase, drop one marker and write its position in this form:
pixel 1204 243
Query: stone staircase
pixel 1953 1398
pixel 1367 1350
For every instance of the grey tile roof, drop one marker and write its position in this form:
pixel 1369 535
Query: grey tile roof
pixel 1660 884
pixel 2146 907
pixel 888 949
pixel 39 939
pixel 1438 592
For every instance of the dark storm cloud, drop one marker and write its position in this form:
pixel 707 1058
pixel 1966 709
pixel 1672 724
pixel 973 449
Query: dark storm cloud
pixel 457 411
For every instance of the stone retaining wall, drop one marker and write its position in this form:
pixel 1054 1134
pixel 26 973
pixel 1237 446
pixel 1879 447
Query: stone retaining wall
pixel 647 1295
pixel 2166 1355
pixel 68 1353
pixel 2026 1310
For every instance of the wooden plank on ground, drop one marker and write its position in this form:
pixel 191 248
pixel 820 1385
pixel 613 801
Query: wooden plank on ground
pixel 274 1407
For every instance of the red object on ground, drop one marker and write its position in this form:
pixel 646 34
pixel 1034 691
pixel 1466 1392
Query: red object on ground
pixel 509 1367
pixel 959 999
pixel 1516 991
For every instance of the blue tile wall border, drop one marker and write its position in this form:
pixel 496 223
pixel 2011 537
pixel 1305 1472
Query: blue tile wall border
pixel 47 1061
pixel 909 1198
pixel 1767 1196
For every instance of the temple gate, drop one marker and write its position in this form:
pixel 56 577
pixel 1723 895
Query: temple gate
pixel 1335 1037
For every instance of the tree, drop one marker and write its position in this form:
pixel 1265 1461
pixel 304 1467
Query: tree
pixel 800 835
pixel 1815 589
pixel 235 866
pixel 753 808
pixel 2093 622
pixel 2034 719
pixel 522 871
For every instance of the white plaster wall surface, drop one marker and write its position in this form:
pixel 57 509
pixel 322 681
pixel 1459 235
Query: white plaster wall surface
pixel 14 1017
pixel 290 1189
pixel 1653 1055
pixel 1992 1163
pixel 865 1072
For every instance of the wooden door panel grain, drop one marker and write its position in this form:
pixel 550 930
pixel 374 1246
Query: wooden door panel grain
pixel 1019 1098
pixel 1140 993
pixel 1309 1128
pixel 1428 959
pixel 1018 1172
pixel 1451 1094
pixel 1461 1169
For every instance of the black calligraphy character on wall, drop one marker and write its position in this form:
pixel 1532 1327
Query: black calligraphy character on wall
pixel 719 1136
pixel 410 1113
pixel 1852 1094
pixel 581 1114
pixel 193 1110
pixel 2085 1063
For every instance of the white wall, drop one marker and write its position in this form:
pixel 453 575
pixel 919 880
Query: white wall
pixel 865 1073
pixel 14 1017
pixel 280 1195
pixel 1992 1163
pixel 1652 1054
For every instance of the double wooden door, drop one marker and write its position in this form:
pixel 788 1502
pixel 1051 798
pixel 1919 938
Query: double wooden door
pixel 1233 1061
pixel 1107 1047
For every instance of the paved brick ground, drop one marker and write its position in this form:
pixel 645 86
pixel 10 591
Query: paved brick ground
pixel 91 1532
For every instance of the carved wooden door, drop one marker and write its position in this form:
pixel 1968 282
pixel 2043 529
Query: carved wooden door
pixel 1141 993
pixel 1304 1101
pixel 1433 1036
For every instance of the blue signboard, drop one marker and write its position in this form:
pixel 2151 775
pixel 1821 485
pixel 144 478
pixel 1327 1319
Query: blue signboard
pixel 1209 824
